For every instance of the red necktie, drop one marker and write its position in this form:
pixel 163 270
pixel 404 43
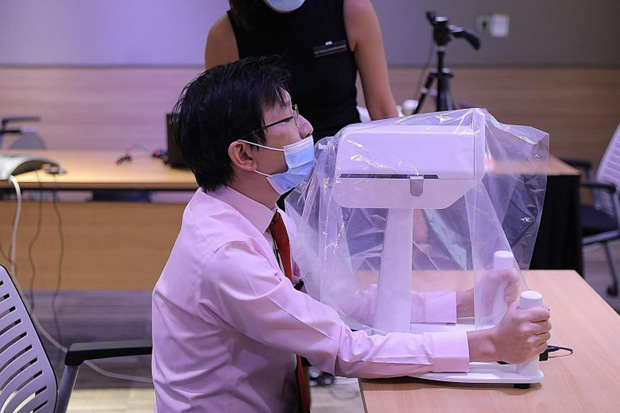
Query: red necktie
pixel 280 237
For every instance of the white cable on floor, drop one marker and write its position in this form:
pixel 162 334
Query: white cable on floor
pixel 35 320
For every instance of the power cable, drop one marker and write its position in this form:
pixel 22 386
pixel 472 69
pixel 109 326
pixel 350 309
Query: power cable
pixel 16 217
pixel 61 256
pixel 33 241
pixel 34 318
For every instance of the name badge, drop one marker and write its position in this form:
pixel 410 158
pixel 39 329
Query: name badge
pixel 330 48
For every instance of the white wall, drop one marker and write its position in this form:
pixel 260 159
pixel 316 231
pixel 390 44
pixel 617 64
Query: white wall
pixel 106 32
pixel 173 32
pixel 542 32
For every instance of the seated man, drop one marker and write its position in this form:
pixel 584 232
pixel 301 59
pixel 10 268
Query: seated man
pixel 227 319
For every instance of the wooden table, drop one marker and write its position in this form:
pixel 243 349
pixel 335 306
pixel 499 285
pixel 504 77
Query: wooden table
pixel 124 245
pixel 88 170
pixel 586 381
pixel 101 245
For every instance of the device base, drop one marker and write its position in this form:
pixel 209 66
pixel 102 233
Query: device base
pixel 489 373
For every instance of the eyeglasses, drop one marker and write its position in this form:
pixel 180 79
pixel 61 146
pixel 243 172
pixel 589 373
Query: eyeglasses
pixel 295 118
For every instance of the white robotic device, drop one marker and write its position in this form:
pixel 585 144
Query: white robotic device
pixel 437 165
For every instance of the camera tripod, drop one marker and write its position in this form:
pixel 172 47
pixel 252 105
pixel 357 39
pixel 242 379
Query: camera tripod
pixel 443 75
pixel 441 35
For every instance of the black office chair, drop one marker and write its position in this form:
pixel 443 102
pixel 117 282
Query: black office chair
pixel 600 221
pixel 27 381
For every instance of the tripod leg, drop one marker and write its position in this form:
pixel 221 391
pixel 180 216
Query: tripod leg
pixel 444 96
pixel 425 89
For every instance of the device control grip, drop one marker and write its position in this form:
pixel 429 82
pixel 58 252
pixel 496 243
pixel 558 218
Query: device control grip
pixel 527 300
pixel 502 260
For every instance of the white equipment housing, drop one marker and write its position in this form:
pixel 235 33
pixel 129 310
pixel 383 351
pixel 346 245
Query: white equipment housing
pixel 437 166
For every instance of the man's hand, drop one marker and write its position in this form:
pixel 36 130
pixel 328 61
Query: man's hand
pixel 520 335
pixel 508 280
pixel 497 290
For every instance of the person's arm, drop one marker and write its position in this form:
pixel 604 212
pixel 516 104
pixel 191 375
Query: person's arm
pixel 432 307
pixel 429 307
pixel 241 288
pixel 365 40
pixel 221 45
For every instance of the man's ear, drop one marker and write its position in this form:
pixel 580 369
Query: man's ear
pixel 241 156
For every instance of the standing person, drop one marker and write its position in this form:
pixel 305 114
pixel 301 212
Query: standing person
pixel 323 43
pixel 227 319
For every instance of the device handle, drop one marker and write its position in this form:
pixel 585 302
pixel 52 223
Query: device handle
pixel 527 300
pixel 502 260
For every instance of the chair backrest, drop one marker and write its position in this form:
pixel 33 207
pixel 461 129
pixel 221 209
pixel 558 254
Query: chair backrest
pixel 609 171
pixel 27 381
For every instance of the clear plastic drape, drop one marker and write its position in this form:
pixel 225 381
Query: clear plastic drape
pixel 399 212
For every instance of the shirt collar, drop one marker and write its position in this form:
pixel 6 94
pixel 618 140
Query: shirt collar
pixel 256 213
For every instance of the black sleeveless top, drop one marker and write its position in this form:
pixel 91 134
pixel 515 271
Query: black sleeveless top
pixel 313 45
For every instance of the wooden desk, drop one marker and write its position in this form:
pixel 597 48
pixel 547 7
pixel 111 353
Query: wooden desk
pixel 105 245
pixel 124 245
pixel 88 170
pixel 586 381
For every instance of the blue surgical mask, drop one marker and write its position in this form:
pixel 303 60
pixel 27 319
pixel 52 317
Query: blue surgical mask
pixel 299 157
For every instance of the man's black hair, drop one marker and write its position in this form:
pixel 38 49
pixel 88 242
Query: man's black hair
pixel 221 105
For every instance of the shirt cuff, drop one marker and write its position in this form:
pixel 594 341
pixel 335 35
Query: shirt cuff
pixel 440 307
pixel 450 352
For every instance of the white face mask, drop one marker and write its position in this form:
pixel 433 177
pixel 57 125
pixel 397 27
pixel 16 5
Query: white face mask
pixel 299 158
pixel 284 6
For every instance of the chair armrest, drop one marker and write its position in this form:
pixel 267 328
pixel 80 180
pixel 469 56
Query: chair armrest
pixel 599 185
pixel 80 352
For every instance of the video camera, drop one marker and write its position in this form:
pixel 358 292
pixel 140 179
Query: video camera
pixel 442 31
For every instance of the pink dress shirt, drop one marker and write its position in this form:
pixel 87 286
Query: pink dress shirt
pixel 227 323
